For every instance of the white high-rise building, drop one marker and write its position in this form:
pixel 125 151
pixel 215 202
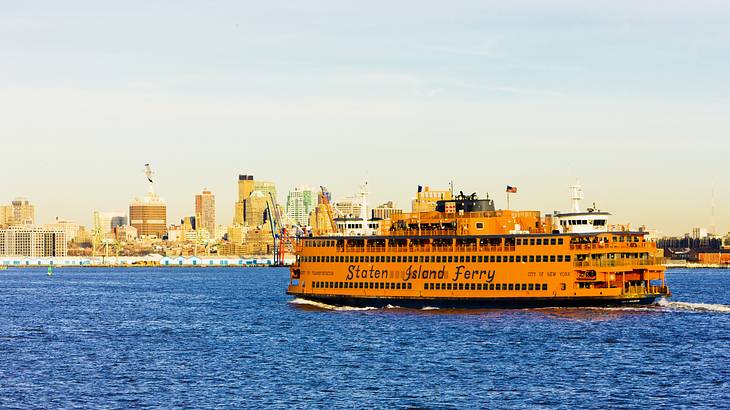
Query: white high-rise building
pixel 69 228
pixel 299 204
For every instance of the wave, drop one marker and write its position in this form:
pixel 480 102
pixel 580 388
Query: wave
pixel 694 307
pixel 429 308
pixel 307 302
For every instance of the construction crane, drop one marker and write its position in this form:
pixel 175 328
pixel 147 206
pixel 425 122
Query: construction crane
pixel 327 206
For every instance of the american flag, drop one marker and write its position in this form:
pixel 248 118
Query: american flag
pixel 511 189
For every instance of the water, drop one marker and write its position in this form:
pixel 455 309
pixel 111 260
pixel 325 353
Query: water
pixel 231 337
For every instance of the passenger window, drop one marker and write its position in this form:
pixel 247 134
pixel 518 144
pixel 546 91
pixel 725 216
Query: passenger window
pixel 499 258
pixel 539 241
pixel 499 286
pixel 491 286
pixel 567 258
pixel 552 258
pixel 491 259
pixel 532 258
pixel 538 258
pixel 560 241
pixel 544 286
pixel 530 287
pixel 479 259
pixel 511 258
pixel 451 259
pixel 510 286
pixel 479 286
pixel 560 258
pixel 532 241
pixel 552 241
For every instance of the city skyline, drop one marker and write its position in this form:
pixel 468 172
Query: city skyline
pixel 630 99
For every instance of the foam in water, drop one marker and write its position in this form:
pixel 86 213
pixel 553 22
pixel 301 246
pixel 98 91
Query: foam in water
pixel 694 307
pixel 299 301
pixel 429 308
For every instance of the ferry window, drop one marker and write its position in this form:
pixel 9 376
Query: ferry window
pixel 532 258
pixel 552 258
pixel 410 259
pixel 511 286
pixel 333 285
pixel 552 241
pixel 560 258
pixel 538 258
pixel 410 285
pixel 544 286
pixel 479 259
pixel 480 225
pixel 491 259
pixel 499 258
pixel 428 259
pixel 479 286
pixel 461 286
pixel 382 285
pixel 491 286
pixel 474 286
pixel 512 258
pixel 567 258
pixel 400 259
pixel 544 258
pixel 524 286
pixel 451 259
pixel 530 287
pixel 377 259
pixel 461 258
pixel 425 286
pixel 539 241
pixel 560 241
pixel 532 241
pixel 438 286
pixel 438 259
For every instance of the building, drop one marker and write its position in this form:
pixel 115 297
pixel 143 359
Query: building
pixel 385 210
pixel 348 207
pixel 149 215
pixel 19 212
pixel 699 233
pixel 299 204
pixel 125 233
pixel 205 211
pixel 425 200
pixel 105 222
pixel 253 196
pixel 32 242
pixel 70 229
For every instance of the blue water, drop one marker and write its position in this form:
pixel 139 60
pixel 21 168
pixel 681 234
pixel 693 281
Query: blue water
pixel 231 337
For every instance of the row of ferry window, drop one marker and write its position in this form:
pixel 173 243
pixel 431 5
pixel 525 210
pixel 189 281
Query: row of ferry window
pixel 525 241
pixel 436 259
pixel 363 285
pixel 486 286
pixel 539 241
pixel 430 286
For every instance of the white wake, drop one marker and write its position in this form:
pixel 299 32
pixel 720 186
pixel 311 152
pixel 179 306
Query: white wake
pixel 694 307
pixel 299 301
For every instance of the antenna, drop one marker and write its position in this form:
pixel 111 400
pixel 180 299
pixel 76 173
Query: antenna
pixel 576 194
pixel 712 213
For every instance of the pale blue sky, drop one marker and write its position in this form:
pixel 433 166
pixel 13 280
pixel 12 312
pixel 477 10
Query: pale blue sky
pixel 633 99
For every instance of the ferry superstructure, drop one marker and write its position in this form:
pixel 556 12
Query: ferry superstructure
pixel 467 254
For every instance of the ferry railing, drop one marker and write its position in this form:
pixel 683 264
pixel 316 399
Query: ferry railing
pixel 619 262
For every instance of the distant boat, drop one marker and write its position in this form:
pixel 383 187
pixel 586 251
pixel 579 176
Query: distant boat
pixel 50 271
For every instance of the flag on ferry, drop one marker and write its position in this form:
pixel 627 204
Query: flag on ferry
pixel 511 189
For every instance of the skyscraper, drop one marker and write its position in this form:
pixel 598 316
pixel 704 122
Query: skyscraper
pixel 299 204
pixel 253 196
pixel 149 214
pixel 205 211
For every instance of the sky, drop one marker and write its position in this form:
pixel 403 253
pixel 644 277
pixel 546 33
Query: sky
pixel 630 98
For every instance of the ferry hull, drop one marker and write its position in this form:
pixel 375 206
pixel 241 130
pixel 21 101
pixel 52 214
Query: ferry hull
pixel 481 303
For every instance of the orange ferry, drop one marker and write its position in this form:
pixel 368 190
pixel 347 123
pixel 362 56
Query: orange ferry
pixel 466 254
